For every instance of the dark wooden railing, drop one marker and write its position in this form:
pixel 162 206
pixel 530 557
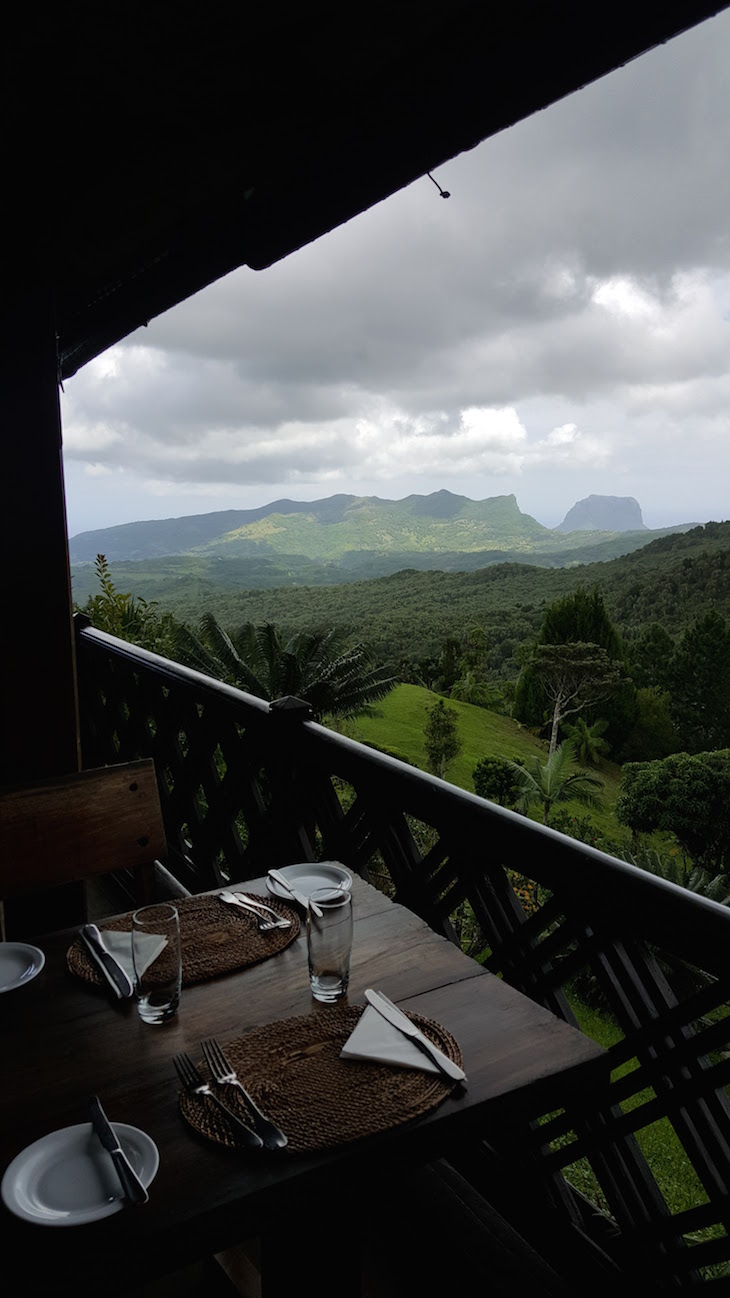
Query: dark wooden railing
pixel 245 785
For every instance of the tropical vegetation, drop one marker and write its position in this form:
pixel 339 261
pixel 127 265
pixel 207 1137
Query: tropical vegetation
pixel 588 742
pixel 441 738
pixel 410 614
pixel 685 795
pixel 129 617
pixel 648 640
pixel 495 779
pixel 335 677
pixel 546 784
pixel 651 710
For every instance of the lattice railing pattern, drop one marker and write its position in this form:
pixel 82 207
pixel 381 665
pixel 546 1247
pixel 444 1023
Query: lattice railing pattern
pixel 245 786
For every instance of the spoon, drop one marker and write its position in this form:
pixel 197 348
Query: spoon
pixel 263 924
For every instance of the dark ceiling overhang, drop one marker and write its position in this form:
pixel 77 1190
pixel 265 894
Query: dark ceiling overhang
pixel 167 144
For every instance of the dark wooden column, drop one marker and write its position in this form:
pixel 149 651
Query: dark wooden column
pixel 39 731
pixel 38 711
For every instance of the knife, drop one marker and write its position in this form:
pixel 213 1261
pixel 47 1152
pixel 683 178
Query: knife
pixel 132 1188
pixel 399 1020
pixel 116 976
pixel 298 896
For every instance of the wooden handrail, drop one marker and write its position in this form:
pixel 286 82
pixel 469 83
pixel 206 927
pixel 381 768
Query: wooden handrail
pixel 245 786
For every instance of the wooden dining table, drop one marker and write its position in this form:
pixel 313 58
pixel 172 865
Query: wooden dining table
pixel 64 1039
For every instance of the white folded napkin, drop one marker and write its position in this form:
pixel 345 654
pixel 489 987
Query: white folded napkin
pixel 375 1038
pixel 120 946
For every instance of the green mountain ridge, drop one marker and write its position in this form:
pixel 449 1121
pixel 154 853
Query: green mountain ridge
pixel 408 614
pixel 339 527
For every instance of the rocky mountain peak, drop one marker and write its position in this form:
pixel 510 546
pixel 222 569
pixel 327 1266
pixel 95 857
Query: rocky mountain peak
pixel 604 514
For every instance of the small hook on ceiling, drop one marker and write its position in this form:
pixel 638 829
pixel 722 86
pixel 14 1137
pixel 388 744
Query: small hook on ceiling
pixel 443 192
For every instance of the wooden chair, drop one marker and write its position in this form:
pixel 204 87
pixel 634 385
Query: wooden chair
pixel 81 826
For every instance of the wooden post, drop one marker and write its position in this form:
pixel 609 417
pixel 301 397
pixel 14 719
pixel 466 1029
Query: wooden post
pixel 39 728
pixel 38 712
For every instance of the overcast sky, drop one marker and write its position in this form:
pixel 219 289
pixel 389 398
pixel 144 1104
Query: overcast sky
pixel 559 326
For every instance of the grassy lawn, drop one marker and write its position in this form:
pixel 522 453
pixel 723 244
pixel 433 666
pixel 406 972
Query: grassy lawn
pixel 659 1142
pixel 398 724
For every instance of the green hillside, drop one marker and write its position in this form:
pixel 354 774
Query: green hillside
pixel 398 722
pixel 409 614
pixel 419 524
pixel 190 575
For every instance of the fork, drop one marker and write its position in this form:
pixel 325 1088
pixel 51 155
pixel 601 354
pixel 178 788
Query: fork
pixel 260 905
pixel 263 924
pixel 195 1084
pixel 225 1075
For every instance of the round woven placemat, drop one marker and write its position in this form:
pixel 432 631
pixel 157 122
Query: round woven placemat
pixel 293 1071
pixel 215 939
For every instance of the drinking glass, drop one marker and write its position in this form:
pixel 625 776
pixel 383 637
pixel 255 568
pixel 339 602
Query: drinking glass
pixel 157 961
pixel 329 943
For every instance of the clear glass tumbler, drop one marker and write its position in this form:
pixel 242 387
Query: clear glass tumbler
pixel 157 961
pixel 329 943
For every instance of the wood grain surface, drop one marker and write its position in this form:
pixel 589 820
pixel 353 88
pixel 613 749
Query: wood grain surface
pixel 64 1040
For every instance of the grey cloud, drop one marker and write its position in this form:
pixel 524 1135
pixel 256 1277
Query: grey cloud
pixel 422 308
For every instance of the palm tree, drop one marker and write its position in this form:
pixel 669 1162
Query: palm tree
pixel 588 741
pixel 337 679
pixel 676 869
pixel 471 688
pixel 554 782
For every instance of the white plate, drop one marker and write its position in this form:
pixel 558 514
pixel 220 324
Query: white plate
pixel 310 875
pixel 18 964
pixel 66 1178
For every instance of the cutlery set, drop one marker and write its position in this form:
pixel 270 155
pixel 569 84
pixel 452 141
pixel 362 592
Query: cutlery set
pixel 255 1131
pixel 266 917
pixel 270 1135
pixel 262 1133
pixel 271 918
pixel 194 1082
pixel 116 976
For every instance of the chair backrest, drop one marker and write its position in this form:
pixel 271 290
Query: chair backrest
pixel 73 827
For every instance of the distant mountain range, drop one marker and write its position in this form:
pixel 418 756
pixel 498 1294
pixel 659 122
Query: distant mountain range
pixel 356 531
pixel 345 539
pixel 672 580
